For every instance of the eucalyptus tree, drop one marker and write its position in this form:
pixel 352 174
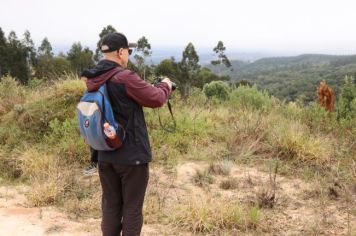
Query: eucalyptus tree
pixel 143 51
pixel 188 69
pixel 222 59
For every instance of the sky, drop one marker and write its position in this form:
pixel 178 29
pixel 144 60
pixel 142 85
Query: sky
pixel 301 26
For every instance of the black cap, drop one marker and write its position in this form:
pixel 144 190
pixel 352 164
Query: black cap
pixel 115 41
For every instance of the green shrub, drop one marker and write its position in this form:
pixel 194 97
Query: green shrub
pixel 216 89
pixel 61 138
pixel 246 97
pixel 346 106
pixel 32 119
pixel 317 118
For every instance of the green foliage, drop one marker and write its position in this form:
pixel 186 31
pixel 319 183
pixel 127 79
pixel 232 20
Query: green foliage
pixel 246 97
pixel 222 58
pixel 142 52
pixel 14 58
pixel 288 77
pixel 49 66
pixel 80 59
pixel 346 108
pixel 216 89
pixel 188 69
pixel 60 66
pixel 45 49
pixel 317 118
pixel 32 122
pixel 11 93
pixel 167 67
pixel 61 138
pixel 205 75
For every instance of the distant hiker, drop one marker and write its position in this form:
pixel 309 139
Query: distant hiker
pixel 124 172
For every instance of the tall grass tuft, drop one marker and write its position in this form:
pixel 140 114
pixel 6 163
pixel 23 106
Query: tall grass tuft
pixel 213 216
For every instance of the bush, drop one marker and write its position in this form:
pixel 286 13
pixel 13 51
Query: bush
pixel 346 106
pixel 250 98
pixel 317 118
pixel 292 140
pixel 31 121
pixel 216 89
pixel 11 93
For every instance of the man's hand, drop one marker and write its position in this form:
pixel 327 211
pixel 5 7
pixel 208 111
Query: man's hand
pixel 167 81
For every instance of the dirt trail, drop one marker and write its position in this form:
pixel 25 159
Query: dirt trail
pixel 297 211
pixel 18 219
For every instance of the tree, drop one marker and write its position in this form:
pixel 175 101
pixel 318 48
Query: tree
pixel 143 51
pixel 347 100
pixel 222 58
pixel 30 48
pixel 3 52
pixel 60 65
pixel 16 54
pixel 167 67
pixel 44 65
pixel 80 58
pixel 205 75
pixel 45 49
pixel 106 30
pixel 188 69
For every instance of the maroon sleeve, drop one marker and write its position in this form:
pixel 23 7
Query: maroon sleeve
pixel 144 93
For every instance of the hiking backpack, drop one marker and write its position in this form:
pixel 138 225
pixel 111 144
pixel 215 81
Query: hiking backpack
pixel 93 110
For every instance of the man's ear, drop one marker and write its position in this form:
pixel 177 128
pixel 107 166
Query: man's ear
pixel 118 53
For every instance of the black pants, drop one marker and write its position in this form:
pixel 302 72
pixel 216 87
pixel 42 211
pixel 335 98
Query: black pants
pixel 124 190
pixel 93 155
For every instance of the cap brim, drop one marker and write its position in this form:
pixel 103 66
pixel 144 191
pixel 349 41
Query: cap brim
pixel 132 45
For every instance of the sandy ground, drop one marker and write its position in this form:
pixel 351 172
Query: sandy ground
pixel 16 218
pixel 297 210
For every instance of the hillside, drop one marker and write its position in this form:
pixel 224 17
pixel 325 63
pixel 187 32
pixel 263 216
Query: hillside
pixel 290 77
pixel 249 165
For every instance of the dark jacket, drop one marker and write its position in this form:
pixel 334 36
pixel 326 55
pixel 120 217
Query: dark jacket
pixel 128 93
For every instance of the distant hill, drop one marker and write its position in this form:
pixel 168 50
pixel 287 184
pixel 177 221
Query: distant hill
pixel 289 77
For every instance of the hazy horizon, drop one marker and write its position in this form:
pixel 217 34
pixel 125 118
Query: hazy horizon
pixel 289 27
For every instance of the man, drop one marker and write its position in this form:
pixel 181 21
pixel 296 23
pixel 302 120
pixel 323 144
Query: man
pixel 124 172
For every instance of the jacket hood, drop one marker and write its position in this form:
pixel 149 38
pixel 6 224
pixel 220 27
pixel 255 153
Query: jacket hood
pixel 98 75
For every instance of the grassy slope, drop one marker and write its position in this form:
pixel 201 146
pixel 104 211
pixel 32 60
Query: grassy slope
pixel 195 169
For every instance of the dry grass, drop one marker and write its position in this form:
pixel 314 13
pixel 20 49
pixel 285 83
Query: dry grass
pixel 220 167
pixel 39 136
pixel 11 94
pixel 294 140
pixel 232 183
pixel 203 178
pixel 214 215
